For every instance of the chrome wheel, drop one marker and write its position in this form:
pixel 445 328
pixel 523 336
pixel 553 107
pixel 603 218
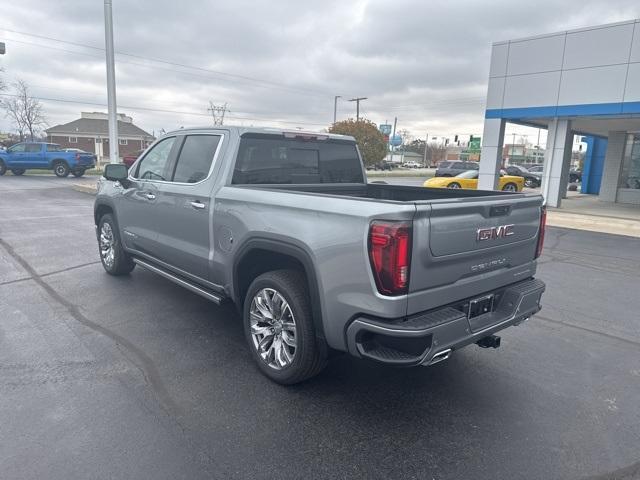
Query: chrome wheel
pixel 273 328
pixel 106 245
pixel 453 185
pixel 510 187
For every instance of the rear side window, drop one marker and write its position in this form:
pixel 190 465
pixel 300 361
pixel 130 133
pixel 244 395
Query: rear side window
pixel 53 148
pixel 276 159
pixel 196 157
pixel 33 148
pixel 458 165
pixel 444 164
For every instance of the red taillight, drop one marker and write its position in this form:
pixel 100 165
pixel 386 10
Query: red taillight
pixel 543 224
pixel 390 254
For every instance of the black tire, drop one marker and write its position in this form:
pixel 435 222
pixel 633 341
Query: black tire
pixel 17 171
pixel 310 354
pixel 78 173
pixel 3 168
pixel 61 169
pixel 122 263
pixel 510 187
pixel 454 185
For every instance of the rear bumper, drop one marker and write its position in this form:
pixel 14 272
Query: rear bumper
pixel 425 338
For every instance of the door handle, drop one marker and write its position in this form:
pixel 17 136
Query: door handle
pixel 197 205
pixel 150 196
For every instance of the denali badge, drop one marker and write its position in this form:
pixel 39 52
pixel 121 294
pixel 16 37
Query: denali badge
pixel 492 233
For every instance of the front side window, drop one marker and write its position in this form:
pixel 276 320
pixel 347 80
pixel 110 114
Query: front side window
pixel 273 159
pixel 468 174
pixel 19 148
pixel 630 174
pixel 154 163
pixel 196 157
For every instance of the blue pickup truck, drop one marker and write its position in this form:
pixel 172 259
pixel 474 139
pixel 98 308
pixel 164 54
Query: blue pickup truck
pixel 48 156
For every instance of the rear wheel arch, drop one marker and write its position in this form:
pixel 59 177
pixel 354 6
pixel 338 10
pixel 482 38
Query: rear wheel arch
pixel 260 255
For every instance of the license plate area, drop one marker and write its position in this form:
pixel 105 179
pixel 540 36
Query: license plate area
pixel 480 306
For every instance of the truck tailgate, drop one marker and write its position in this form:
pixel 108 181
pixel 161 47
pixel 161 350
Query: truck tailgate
pixel 469 246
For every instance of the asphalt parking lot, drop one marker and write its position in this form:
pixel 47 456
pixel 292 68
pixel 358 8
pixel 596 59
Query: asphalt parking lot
pixel 134 377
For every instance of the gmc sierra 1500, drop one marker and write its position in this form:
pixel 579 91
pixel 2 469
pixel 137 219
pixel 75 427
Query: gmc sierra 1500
pixel 285 225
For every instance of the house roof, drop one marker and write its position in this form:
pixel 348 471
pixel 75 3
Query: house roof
pixel 95 126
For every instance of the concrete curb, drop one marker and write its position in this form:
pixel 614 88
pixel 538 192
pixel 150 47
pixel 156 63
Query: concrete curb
pixel 84 188
pixel 594 223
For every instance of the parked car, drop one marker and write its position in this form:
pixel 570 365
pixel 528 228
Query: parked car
pixel 412 164
pixel 48 156
pixel 453 168
pixel 130 158
pixel 469 179
pixel 531 180
pixel 385 165
pixel 284 225
pixel 575 176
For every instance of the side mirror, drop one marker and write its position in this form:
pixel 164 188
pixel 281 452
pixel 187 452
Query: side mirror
pixel 116 172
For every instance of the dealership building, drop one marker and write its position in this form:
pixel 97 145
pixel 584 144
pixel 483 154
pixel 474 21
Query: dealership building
pixel 578 82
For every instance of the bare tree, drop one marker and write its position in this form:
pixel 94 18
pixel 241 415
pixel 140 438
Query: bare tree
pixel 24 110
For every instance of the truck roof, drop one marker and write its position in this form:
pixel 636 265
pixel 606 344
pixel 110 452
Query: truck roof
pixel 265 130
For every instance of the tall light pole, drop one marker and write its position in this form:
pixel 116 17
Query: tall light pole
pixel 111 84
pixel 335 107
pixel 358 100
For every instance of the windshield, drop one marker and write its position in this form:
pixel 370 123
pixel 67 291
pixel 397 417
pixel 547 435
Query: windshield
pixel 274 159
pixel 468 174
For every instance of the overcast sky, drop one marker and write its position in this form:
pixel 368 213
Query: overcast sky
pixel 279 62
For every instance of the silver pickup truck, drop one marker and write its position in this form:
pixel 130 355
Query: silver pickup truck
pixel 285 225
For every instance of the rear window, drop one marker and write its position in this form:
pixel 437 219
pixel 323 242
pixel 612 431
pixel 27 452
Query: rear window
pixel 275 159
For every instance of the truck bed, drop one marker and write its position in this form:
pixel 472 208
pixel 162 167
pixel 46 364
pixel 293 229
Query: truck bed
pixel 395 193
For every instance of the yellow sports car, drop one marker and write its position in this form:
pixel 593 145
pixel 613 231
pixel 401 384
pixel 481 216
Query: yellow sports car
pixel 469 179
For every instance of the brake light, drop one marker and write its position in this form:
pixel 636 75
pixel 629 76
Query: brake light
pixel 390 255
pixel 543 225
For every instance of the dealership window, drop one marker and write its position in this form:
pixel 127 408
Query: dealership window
pixel 73 139
pixel 123 141
pixel 630 175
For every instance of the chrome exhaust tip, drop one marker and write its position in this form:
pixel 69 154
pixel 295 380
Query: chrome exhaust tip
pixel 440 356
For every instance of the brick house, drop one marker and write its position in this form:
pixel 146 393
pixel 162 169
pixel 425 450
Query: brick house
pixel 90 133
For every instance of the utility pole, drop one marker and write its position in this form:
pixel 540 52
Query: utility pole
pixel 424 158
pixel 217 112
pixel 358 100
pixel 395 122
pixel 335 107
pixel 111 84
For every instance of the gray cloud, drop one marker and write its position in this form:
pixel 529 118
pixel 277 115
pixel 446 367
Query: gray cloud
pixel 424 62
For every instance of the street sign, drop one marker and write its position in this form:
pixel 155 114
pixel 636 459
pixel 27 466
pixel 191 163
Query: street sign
pixel 475 144
pixel 385 129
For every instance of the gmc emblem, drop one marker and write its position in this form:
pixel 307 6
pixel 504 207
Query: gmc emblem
pixel 492 233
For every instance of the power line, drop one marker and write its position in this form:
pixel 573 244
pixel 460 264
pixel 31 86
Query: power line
pixel 300 90
pixel 159 110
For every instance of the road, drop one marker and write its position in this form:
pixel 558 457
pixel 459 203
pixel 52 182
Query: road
pixel 134 377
